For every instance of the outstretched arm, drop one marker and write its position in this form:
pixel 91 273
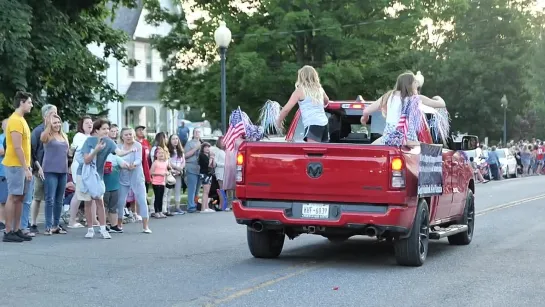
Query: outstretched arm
pixel 368 110
pixel 435 102
pixel 287 108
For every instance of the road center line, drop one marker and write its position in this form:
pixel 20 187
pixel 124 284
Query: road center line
pixel 262 285
pixel 309 267
pixel 510 204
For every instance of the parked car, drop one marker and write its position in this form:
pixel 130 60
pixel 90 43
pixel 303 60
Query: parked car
pixel 350 187
pixel 508 163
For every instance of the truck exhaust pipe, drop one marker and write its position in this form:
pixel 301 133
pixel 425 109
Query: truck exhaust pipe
pixel 371 231
pixel 257 226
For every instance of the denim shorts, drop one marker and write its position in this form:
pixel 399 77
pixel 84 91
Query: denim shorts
pixel 17 183
pixel 3 190
pixel 206 179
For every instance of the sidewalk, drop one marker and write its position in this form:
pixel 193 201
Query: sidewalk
pixel 41 214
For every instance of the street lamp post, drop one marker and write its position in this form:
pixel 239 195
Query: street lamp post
pixel 504 103
pixel 222 36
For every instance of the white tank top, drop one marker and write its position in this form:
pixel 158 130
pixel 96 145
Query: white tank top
pixel 312 113
pixel 393 111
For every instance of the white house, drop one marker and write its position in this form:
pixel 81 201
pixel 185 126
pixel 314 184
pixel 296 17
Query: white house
pixel 140 84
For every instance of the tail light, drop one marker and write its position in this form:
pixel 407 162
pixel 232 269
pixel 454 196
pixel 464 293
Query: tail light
pixel 240 168
pixel 397 173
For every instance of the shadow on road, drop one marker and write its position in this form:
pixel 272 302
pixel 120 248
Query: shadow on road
pixel 357 252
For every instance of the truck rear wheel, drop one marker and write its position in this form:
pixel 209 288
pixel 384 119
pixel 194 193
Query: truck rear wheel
pixel 265 244
pixel 413 251
pixel 464 238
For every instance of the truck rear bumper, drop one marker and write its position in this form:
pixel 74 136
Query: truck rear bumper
pixel 354 218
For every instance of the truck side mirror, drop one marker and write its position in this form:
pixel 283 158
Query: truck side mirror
pixel 469 142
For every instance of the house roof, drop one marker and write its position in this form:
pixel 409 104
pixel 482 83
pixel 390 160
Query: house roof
pixel 143 91
pixel 126 19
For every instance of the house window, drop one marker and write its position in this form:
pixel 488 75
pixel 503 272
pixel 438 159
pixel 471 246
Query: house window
pixel 148 61
pixel 130 54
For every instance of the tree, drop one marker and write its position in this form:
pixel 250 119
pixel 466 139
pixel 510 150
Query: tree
pixel 43 46
pixel 358 47
pixel 486 55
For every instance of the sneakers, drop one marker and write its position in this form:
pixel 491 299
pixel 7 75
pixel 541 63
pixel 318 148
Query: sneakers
pixel 115 229
pixel 34 229
pixel 90 233
pixel 12 237
pixel 23 236
pixel 105 234
pixel 146 230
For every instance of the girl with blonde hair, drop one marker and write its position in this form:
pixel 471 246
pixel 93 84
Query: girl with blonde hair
pixel 55 167
pixel 312 100
pixel 400 107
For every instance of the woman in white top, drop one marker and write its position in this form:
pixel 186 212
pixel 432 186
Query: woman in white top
pixel 312 100
pixel 85 127
pixel 402 101
pixel 219 154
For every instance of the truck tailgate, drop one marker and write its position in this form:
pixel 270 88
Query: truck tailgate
pixel 317 172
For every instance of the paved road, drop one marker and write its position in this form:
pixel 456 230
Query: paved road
pixel 202 260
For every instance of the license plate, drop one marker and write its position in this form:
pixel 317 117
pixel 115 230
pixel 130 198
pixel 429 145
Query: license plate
pixel 315 211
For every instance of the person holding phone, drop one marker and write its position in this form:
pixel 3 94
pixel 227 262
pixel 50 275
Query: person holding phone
pixel 96 149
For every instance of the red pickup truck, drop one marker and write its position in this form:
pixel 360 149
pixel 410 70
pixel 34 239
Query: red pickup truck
pixel 350 187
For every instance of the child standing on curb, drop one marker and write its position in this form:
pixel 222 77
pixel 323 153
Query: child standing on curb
pixel 111 196
pixel 159 172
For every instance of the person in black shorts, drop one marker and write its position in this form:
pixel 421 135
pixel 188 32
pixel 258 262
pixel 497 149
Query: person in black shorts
pixel 317 133
pixel 206 164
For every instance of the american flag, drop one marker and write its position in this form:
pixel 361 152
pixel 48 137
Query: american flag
pixel 237 128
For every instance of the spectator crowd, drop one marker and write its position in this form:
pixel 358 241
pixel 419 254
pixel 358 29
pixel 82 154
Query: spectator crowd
pixel 101 178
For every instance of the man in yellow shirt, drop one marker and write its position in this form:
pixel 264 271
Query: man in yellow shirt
pixel 17 166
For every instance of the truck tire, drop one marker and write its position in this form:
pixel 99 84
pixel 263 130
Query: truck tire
pixel 413 251
pixel 464 238
pixel 265 244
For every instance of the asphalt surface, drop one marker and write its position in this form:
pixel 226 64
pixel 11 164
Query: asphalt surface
pixel 203 260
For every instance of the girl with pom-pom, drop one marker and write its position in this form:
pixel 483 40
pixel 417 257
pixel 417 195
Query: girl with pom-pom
pixel 312 100
pixel 400 106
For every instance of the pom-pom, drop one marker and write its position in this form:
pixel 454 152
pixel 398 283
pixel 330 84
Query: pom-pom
pixel 268 116
pixel 440 123
pixel 254 133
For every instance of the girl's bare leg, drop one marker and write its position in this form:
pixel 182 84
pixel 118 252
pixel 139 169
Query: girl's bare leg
pixel 94 212
pixel 99 207
pixel 205 191
pixel 74 209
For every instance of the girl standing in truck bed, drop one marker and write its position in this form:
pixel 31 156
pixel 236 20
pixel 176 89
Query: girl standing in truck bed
pixel 312 100
pixel 400 106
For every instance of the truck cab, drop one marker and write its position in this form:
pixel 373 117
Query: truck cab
pixel 349 187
